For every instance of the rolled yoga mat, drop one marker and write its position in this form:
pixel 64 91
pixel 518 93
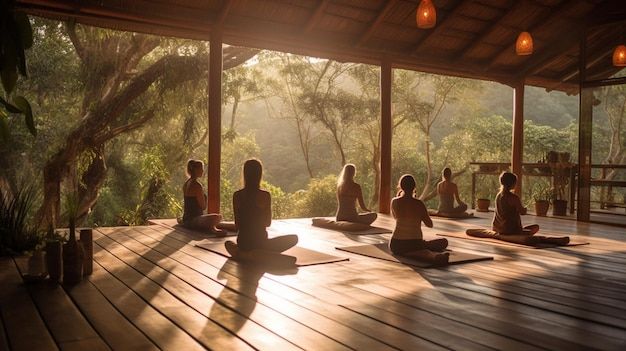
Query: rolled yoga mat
pixel 348 227
pixel 304 257
pixel 464 215
pixel 537 241
pixel 172 223
pixel 381 251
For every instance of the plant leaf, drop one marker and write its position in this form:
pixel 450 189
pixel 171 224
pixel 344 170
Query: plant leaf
pixel 26 31
pixel 23 105
pixel 9 78
pixel 9 106
pixel 4 126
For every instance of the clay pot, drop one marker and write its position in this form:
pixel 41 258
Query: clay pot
pixel 73 255
pixel 54 260
pixel 541 207
pixel 559 208
pixel 86 241
pixel 483 205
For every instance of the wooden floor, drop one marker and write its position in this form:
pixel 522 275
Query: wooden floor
pixel 153 289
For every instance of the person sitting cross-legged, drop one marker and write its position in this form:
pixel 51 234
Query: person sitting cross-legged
pixel 348 193
pixel 195 202
pixel 252 208
pixel 407 239
pixel 507 218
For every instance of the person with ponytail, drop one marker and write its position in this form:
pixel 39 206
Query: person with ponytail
pixel 348 193
pixel 195 202
pixel 252 207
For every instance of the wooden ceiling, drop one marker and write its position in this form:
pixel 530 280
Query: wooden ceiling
pixel 472 38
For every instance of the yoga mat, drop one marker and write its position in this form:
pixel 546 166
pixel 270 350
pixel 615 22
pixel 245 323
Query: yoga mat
pixel 173 224
pixel 348 228
pixel 381 251
pixel 435 213
pixel 501 242
pixel 304 257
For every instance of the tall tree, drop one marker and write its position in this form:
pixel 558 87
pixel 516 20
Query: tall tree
pixel 118 69
pixel 421 98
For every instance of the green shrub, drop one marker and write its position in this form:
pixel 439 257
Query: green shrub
pixel 16 234
pixel 319 199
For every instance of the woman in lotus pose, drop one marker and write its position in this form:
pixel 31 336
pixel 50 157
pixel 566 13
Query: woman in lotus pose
pixel 407 239
pixel 253 214
pixel 348 193
pixel 448 192
pixel 195 201
pixel 507 218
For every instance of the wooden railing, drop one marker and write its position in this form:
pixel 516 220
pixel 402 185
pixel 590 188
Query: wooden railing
pixel 606 193
pixel 528 169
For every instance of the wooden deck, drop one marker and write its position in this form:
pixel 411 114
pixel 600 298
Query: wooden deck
pixel 152 289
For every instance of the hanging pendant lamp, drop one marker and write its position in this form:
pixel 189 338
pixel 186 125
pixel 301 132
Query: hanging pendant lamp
pixel 524 44
pixel 426 15
pixel 619 56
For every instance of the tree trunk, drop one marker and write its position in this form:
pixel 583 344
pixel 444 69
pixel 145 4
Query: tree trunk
pixel 92 180
pixel 429 170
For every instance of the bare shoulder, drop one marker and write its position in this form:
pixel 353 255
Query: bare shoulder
pixel 192 187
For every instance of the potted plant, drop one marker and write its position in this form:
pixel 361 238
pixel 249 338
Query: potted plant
pixel 541 196
pixel 482 204
pixel 54 252
pixel 73 254
pixel 560 174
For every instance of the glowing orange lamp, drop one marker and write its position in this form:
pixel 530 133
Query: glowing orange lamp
pixel 619 56
pixel 426 15
pixel 524 44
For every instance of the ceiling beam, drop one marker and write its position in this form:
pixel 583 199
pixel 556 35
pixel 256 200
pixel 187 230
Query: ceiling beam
pixel 317 14
pixel 550 16
pixel 486 31
pixel 379 18
pixel 568 39
pixel 221 16
pixel 440 24
pixel 572 73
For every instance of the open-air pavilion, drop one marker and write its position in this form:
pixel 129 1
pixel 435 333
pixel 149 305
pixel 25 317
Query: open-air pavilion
pixel 152 288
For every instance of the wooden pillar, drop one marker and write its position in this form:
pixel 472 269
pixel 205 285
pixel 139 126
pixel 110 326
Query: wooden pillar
pixel 215 122
pixel 384 195
pixel 585 111
pixel 517 149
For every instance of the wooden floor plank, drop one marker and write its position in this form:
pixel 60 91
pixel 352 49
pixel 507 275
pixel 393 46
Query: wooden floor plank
pixel 153 283
pixel 58 312
pixel 189 255
pixel 163 332
pixel 350 337
pixel 317 284
pixel 4 341
pixel 205 303
pixel 25 328
pixel 118 332
pixel 206 332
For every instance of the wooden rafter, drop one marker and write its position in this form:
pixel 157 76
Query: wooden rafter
pixel 486 31
pixel 569 38
pixel 315 17
pixel 552 15
pixel 572 73
pixel 441 23
pixel 221 16
pixel 379 18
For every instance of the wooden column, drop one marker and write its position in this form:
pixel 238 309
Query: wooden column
pixel 585 118
pixel 517 149
pixel 384 195
pixel 215 122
